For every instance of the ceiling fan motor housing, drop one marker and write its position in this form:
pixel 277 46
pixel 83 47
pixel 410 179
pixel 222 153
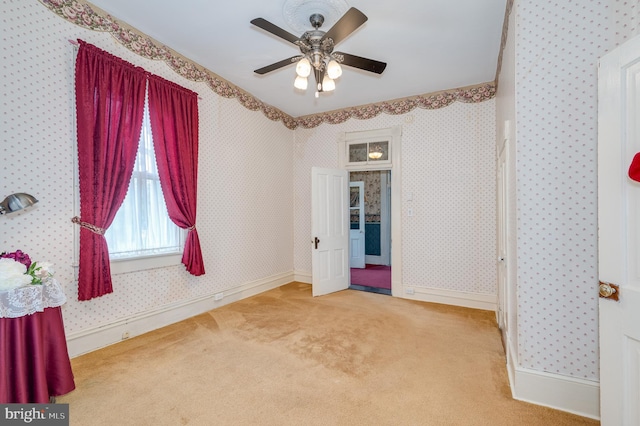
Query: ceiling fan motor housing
pixel 313 46
pixel 316 20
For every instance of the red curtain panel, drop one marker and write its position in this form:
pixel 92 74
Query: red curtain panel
pixel 173 111
pixel 110 102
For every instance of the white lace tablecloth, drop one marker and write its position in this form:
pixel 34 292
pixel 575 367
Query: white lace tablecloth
pixel 30 299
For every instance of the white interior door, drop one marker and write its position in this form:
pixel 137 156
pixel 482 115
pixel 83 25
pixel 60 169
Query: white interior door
pixel 501 190
pixel 619 234
pixel 356 233
pixel 329 230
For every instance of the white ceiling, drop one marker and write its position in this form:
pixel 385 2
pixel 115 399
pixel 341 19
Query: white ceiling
pixel 428 45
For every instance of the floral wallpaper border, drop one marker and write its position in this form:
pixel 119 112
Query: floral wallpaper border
pixel 89 16
pixel 470 94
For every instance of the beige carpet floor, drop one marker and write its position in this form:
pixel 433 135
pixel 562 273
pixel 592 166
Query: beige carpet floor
pixel 286 358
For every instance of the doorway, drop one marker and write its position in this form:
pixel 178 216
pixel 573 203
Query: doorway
pixel 370 223
pixel 368 150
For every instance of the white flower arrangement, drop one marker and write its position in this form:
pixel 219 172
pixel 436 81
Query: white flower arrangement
pixel 17 270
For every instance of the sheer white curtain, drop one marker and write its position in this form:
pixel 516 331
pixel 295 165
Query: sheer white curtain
pixel 142 226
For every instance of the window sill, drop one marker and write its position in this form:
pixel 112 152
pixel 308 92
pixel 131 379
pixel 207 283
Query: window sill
pixel 125 266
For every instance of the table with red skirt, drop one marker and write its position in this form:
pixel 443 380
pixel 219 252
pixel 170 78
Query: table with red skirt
pixel 34 360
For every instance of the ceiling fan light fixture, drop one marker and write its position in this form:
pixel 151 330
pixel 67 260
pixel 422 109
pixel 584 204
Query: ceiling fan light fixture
pixel 317 48
pixel 303 68
pixel 334 70
pixel 300 83
pixel 328 84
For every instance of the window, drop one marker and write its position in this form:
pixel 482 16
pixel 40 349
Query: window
pixel 369 152
pixel 142 228
pixel 370 149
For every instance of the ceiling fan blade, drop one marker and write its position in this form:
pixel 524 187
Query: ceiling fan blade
pixel 349 22
pixel 275 66
pixel 362 63
pixel 274 29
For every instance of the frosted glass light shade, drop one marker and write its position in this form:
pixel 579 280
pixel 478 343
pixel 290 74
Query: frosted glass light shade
pixel 300 83
pixel 334 70
pixel 328 84
pixel 16 202
pixel 375 152
pixel 303 68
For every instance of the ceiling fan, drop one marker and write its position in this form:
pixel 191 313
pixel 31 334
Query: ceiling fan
pixel 316 48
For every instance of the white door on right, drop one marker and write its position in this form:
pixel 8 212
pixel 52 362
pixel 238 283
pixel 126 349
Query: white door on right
pixel 619 235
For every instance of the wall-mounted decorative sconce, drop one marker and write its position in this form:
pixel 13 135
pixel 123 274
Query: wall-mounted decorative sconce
pixel 16 202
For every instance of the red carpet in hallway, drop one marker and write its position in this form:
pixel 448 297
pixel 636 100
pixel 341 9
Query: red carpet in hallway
pixel 378 276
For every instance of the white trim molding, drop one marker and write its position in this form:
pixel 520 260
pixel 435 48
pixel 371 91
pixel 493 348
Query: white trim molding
pixel 305 277
pixel 570 394
pixel 482 301
pixel 94 338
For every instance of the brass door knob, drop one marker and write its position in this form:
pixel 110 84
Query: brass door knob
pixel 608 291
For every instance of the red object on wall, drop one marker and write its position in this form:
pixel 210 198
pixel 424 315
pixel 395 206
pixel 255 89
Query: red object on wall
pixel 634 168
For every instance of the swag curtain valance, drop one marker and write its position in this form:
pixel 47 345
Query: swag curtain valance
pixel 110 95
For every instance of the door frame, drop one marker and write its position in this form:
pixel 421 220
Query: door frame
pixel 393 136
pixel 385 224
pixel 503 234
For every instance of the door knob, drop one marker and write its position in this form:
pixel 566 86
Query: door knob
pixel 315 241
pixel 609 291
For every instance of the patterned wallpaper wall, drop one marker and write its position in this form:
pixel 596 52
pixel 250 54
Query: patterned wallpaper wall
pixel 245 191
pixel 558 44
pixel 448 164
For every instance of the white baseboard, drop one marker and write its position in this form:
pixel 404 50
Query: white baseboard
pixel 483 301
pixel 303 277
pixel 577 396
pixel 447 297
pixel 93 338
